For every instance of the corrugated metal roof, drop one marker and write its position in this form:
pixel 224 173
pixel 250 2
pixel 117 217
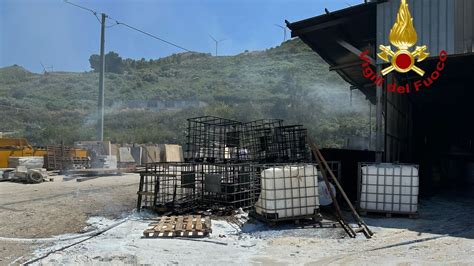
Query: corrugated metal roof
pixel 354 25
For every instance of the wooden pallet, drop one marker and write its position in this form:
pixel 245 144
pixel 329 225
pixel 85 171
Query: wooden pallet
pixel 179 226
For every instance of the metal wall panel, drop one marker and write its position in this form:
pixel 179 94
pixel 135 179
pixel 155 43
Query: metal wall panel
pixel 464 25
pixel 440 24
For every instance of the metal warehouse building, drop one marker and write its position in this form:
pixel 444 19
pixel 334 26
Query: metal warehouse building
pixel 433 127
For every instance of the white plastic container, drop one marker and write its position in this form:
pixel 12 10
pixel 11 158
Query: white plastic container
pixel 390 188
pixel 324 194
pixel 288 191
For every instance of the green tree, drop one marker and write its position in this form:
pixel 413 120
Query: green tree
pixel 113 63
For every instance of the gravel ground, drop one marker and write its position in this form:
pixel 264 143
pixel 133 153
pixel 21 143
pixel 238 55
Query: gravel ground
pixel 59 207
pixel 443 234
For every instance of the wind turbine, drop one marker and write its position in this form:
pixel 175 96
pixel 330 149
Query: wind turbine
pixel 45 72
pixel 284 31
pixel 216 41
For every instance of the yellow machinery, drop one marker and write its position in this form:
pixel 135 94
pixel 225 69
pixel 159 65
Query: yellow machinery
pixel 16 147
pixel 19 147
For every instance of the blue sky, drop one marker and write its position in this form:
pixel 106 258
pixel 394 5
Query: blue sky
pixel 63 36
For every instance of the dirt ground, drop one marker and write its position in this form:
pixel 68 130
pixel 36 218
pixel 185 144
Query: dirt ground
pixel 443 234
pixel 59 207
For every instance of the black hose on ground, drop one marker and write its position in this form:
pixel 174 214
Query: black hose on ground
pixel 75 243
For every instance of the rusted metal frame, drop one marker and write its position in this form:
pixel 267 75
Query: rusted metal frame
pixel 319 157
pixel 341 220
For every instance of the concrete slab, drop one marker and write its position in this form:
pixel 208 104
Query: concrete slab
pixel 173 153
pixel 125 155
pixel 151 154
pixel 136 152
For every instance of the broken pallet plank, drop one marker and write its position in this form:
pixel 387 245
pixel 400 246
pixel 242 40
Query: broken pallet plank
pixel 179 226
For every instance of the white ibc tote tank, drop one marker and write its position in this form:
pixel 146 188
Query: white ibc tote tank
pixel 288 191
pixel 389 188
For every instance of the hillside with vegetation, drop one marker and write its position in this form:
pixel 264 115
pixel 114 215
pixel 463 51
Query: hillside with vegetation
pixel 289 82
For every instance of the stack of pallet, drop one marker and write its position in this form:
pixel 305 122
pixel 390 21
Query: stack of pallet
pixel 61 157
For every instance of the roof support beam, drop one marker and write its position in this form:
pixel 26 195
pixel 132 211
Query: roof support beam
pixel 331 23
pixel 344 66
pixel 351 48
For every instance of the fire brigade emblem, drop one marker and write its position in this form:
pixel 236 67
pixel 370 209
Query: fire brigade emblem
pixel 403 36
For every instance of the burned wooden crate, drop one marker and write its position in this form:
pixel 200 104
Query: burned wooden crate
pixel 179 226
pixel 169 186
pixel 213 139
pixel 234 185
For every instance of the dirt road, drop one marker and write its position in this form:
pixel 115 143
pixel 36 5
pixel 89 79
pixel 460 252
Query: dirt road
pixel 59 207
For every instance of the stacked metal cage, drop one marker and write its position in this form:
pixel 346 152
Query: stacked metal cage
pixel 259 139
pixel 291 144
pixel 213 139
pixel 224 160
pixel 269 141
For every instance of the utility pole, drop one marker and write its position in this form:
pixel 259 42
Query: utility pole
pixel 216 41
pixel 100 120
pixel 284 31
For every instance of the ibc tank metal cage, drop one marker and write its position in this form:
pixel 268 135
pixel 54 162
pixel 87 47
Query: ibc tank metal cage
pixel 169 186
pixel 233 185
pixel 213 139
pixel 335 167
pixel 388 188
pixel 258 138
pixel 290 144
pixel 288 192
pixel 181 187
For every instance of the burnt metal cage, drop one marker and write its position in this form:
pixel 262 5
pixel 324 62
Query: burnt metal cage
pixel 259 138
pixel 233 185
pixel 169 186
pixel 291 144
pixel 180 187
pixel 218 140
pixel 213 139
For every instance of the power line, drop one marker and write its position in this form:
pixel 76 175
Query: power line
pixel 81 7
pixel 126 25
pixel 150 35
pixel 98 19
pixel 84 8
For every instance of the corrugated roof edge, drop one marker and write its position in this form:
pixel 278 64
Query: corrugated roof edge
pixel 328 17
